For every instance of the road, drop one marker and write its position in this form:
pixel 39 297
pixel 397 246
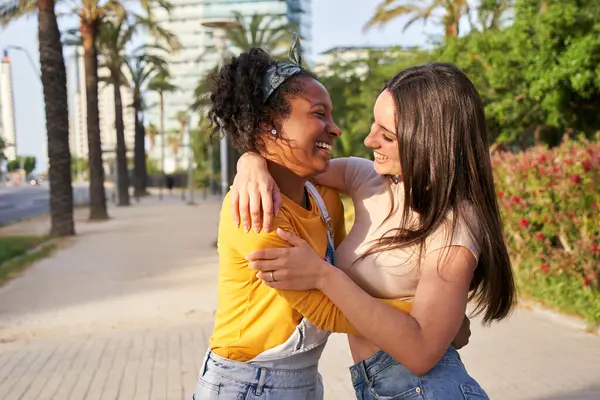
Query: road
pixel 17 203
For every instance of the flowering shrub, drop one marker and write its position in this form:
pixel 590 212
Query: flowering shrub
pixel 550 201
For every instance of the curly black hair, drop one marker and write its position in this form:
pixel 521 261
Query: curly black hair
pixel 237 108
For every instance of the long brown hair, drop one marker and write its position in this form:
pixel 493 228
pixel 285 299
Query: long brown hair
pixel 446 170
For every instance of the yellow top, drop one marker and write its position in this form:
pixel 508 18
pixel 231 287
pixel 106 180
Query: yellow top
pixel 252 317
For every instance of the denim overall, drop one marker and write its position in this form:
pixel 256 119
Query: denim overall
pixel 288 371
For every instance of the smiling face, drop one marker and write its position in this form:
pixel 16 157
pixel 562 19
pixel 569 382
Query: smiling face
pixel 308 130
pixel 383 138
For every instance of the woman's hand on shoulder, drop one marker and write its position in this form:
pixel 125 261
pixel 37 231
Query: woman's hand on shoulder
pixel 254 196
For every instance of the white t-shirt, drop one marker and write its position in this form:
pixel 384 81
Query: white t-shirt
pixel 392 274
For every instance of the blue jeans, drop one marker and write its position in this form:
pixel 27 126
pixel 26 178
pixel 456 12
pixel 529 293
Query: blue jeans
pixel 224 379
pixel 381 377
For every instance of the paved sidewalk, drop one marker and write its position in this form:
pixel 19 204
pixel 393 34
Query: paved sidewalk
pixel 124 310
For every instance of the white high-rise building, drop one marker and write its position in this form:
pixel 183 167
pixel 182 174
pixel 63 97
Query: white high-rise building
pixel 198 53
pixel 106 107
pixel 7 109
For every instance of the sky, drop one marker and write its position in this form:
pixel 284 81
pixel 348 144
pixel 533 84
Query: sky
pixel 335 23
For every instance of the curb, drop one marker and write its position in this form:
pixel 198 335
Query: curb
pixel 565 319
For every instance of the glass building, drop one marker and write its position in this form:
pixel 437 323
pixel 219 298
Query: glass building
pixel 198 53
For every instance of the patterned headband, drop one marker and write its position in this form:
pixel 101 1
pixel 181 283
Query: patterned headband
pixel 278 73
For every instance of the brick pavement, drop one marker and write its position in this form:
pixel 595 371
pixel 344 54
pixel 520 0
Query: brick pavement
pixel 124 311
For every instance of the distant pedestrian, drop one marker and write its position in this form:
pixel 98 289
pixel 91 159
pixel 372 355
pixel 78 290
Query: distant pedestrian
pixel 170 183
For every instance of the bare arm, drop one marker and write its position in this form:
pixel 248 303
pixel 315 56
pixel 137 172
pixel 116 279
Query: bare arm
pixel 255 197
pixel 335 176
pixel 435 317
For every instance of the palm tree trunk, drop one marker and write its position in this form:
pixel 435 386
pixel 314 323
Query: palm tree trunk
pixel 452 30
pixel 162 145
pixel 139 151
pixel 89 30
pixel 54 79
pixel 122 170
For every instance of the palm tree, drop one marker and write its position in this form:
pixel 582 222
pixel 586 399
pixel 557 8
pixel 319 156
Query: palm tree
pixel 54 81
pixel 489 13
pixel 111 41
pixel 264 31
pixel 114 36
pixel 91 13
pixel 390 9
pixel 161 85
pixel 152 132
pixel 182 119
pixel 142 67
pixel 174 140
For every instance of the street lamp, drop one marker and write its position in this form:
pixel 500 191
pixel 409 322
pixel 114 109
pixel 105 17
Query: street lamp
pixel 29 58
pixel 38 74
pixel 219 27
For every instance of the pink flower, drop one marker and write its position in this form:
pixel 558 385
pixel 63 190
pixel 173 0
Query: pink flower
pixel 586 281
pixel 587 165
pixel 542 158
pixel 571 215
pixel 500 194
pixel 545 268
pixel 524 222
pixel 515 199
pixel 576 179
pixel 594 248
pixel 540 236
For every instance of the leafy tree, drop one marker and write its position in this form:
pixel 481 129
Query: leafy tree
pixel 2 147
pixel 354 87
pixel 538 76
pixel 27 162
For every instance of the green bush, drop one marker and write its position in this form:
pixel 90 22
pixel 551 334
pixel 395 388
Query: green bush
pixel 549 201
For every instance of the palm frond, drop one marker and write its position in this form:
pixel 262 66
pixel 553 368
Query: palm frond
pixel 264 31
pixel 160 83
pixel 15 9
pixel 391 9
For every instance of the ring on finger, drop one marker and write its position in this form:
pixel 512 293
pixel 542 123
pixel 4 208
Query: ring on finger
pixel 272 276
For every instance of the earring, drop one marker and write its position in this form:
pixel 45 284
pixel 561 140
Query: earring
pixel 273 132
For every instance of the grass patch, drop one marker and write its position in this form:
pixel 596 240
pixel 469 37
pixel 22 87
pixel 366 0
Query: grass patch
pixel 14 267
pixel 14 246
pixel 561 292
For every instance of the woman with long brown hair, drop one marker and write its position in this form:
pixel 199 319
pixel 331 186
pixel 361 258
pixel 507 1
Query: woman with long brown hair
pixel 427 230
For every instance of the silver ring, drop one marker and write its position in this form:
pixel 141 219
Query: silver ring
pixel 272 277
